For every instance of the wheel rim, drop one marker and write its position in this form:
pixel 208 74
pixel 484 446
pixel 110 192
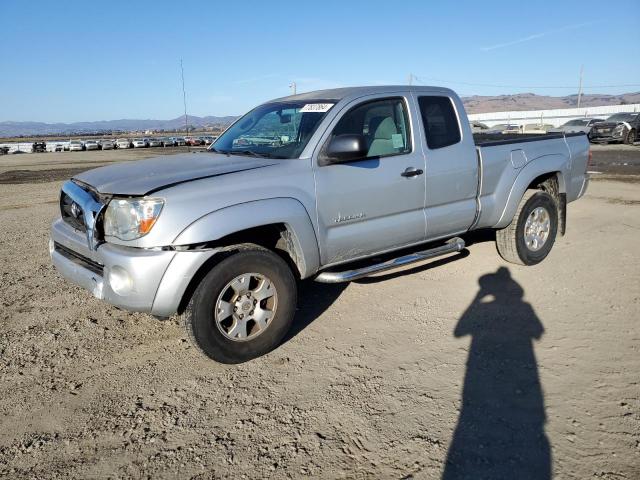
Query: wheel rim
pixel 245 307
pixel 536 229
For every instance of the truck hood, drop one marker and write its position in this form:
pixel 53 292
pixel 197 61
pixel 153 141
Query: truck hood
pixel 142 177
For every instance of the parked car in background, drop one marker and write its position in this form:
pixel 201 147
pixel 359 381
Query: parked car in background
pixel 139 143
pixel 75 146
pixel 619 128
pixel 55 147
pixel 4 150
pixel 106 144
pixel 194 141
pixel 123 143
pixel 179 141
pixel 39 147
pixel 168 142
pixel 505 128
pixel 537 128
pixel 477 127
pixel 155 142
pixel 578 125
pixel 209 139
pixel 91 145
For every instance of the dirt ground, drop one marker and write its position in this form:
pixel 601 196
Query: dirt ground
pixel 474 369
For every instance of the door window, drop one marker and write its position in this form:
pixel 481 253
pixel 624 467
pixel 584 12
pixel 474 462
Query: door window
pixel 383 123
pixel 440 121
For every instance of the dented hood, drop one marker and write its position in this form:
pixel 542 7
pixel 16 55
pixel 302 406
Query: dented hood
pixel 142 177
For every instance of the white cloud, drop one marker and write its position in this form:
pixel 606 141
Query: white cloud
pixel 536 36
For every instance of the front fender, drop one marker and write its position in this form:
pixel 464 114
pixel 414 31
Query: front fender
pixel 535 168
pixel 243 216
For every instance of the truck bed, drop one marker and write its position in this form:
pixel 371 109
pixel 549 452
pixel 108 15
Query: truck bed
pixel 490 139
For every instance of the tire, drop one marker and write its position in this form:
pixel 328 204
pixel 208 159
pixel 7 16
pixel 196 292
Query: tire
pixel 510 241
pixel 631 137
pixel 211 331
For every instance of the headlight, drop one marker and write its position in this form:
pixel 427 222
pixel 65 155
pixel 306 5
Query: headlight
pixel 128 219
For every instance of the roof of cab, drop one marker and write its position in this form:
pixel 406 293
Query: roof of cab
pixel 350 93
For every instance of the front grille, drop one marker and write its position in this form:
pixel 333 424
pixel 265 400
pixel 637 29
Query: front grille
pixel 71 212
pixel 78 259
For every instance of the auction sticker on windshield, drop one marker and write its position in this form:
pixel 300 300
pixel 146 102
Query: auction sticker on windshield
pixel 316 107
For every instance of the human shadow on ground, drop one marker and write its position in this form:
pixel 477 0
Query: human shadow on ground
pixel 500 431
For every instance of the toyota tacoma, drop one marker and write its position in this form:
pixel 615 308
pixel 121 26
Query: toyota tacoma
pixel 333 185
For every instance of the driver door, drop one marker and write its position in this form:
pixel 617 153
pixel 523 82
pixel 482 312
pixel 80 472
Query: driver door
pixel 375 203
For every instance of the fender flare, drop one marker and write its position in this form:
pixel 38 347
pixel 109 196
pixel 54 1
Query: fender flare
pixel 535 168
pixel 242 216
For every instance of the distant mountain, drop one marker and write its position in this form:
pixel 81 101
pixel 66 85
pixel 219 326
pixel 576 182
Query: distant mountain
pixel 473 104
pixel 15 129
pixel 530 101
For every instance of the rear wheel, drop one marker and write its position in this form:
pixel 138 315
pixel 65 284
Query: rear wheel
pixel 532 233
pixel 631 137
pixel 243 307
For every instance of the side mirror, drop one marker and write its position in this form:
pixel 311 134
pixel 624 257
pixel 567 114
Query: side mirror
pixel 345 148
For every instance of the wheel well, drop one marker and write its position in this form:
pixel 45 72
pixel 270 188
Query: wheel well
pixel 275 237
pixel 546 182
pixel 552 184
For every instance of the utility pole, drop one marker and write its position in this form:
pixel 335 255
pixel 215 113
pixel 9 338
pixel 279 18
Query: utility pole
pixel 292 86
pixel 184 101
pixel 580 87
pixel 411 79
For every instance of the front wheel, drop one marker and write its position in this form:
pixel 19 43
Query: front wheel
pixel 243 307
pixel 532 233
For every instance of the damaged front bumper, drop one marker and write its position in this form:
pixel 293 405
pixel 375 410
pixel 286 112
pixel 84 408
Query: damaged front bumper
pixel 135 279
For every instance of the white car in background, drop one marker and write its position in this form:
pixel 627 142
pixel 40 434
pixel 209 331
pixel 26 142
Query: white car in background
pixel 478 127
pixel 139 143
pixel 123 143
pixel 578 125
pixel 537 128
pixel 209 139
pixel 75 146
pixel 91 145
pixel 155 142
pixel 107 144
pixel 504 128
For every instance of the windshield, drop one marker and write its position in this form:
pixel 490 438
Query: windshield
pixel 576 123
pixel 622 117
pixel 274 130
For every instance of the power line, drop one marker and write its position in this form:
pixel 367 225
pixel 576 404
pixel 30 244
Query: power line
pixel 422 80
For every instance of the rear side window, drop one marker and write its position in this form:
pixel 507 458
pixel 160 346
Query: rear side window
pixel 439 121
pixel 383 124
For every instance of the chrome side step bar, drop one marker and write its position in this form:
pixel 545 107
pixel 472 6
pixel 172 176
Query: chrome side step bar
pixel 454 245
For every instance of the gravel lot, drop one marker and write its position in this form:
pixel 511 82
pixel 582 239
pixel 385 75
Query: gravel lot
pixel 476 367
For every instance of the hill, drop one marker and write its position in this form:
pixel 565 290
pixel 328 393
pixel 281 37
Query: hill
pixel 15 129
pixel 473 104
pixel 530 101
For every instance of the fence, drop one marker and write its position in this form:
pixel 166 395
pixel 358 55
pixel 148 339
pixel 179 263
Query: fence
pixel 555 117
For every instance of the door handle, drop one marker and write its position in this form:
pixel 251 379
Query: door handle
pixel 412 172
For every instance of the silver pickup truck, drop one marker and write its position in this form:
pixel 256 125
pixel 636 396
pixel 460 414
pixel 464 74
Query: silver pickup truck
pixel 321 184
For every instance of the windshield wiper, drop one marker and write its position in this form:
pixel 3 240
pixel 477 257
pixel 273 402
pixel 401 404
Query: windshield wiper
pixel 255 154
pixel 249 153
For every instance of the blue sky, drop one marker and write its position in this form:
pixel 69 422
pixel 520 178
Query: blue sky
pixel 68 61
